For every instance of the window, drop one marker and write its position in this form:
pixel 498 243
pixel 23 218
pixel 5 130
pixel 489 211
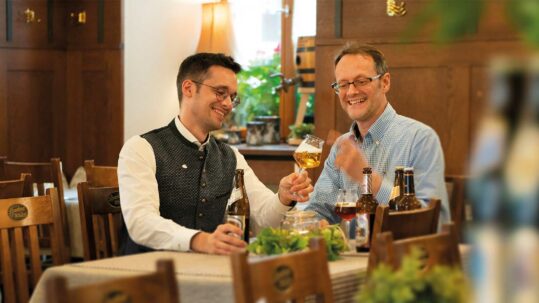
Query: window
pixel 264 46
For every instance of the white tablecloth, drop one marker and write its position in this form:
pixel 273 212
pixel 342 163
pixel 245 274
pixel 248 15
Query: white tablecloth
pixel 201 278
pixel 73 222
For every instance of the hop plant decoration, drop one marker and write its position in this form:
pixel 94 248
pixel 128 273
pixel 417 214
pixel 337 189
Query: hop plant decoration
pixel 409 284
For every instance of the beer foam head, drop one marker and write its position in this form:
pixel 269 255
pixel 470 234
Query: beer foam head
pixel 306 147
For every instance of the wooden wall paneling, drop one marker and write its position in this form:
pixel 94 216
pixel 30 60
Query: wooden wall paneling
pixel 367 19
pixel 325 14
pixel 95 95
pixel 73 120
pixel 3 21
pixel 102 108
pixel 326 102
pixel 32 97
pixel 479 97
pixel 3 103
pixel 102 28
pixel 33 33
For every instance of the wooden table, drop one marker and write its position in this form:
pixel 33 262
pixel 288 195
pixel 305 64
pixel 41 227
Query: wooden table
pixel 201 278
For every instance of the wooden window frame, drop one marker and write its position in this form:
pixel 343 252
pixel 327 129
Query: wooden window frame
pixel 287 99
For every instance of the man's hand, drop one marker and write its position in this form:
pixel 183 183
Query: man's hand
pixel 225 240
pixel 351 160
pixel 295 187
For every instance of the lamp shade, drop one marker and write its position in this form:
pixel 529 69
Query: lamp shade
pixel 217 35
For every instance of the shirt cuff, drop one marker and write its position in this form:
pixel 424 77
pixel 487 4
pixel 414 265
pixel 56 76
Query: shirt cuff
pixel 184 239
pixel 384 192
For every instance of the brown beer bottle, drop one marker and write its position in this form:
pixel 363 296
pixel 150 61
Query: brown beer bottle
pixel 398 188
pixel 366 208
pixel 408 200
pixel 238 211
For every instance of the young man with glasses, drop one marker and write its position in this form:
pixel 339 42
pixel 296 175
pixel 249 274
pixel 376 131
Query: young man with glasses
pixel 378 138
pixel 175 181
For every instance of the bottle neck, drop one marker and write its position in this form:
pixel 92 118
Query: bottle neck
pixel 367 184
pixel 409 189
pixel 239 181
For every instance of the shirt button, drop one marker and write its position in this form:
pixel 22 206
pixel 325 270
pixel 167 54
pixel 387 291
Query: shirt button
pixel 203 200
pixel 201 157
pixel 203 184
pixel 200 214
pixel 377 142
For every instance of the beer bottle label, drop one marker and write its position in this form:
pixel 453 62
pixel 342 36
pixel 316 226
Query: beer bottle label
pixel 395 192
pixel 238 221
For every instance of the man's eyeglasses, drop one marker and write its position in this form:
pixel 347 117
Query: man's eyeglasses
pixel 344 85
pixel 222 94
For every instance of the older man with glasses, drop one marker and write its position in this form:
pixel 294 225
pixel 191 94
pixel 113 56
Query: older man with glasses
pixel 378 138
pixel 175 181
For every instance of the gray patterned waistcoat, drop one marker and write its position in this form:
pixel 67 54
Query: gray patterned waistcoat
pixel 194 185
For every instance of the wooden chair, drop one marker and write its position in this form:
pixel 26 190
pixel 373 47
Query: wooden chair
pixel 441 248
pixel 291 276
pixel 405 224
pixel 42 172
pixel 101 220
pixel 100 175
pixel 456 189
pixel 160 287
pixel 21 187
pixel 19 244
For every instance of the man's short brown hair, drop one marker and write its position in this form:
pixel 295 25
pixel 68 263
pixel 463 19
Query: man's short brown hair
pixel 366 50
pixel 195 67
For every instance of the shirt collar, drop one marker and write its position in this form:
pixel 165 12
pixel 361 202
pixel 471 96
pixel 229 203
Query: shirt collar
pixel 187 134
pixel 379 127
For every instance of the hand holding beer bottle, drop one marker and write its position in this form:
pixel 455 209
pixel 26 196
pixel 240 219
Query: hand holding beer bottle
pixel 238 210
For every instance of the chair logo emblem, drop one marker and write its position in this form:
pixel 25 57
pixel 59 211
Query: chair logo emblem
pixel 283 277
pixel 114 199
pixel 17 212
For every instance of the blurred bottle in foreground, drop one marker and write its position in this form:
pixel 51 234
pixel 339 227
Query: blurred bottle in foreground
pixel 504 187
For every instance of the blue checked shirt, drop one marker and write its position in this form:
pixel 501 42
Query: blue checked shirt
pixel 393 140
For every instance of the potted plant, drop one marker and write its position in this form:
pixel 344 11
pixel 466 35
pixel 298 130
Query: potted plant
pixel 297 133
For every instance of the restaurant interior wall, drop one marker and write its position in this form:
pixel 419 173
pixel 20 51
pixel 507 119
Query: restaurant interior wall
pixel 157 39
pixel 61 81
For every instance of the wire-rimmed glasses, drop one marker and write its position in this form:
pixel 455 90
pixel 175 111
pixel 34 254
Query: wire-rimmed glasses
pixel 343 86
pixel 222 93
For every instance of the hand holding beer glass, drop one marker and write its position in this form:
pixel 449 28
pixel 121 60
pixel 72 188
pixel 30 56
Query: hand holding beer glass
pixel 309 153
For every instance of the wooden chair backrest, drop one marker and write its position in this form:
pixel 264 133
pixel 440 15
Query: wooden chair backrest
pixel 160 286
pixel 405 224
pixel 16 188
pixel 42 172
pixel 101 220
pixel 456 189
pixel 437 249
pixel 98 175
pixel 19 243
pixel 292 276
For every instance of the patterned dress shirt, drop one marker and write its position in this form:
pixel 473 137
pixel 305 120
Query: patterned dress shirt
pixel 393 140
